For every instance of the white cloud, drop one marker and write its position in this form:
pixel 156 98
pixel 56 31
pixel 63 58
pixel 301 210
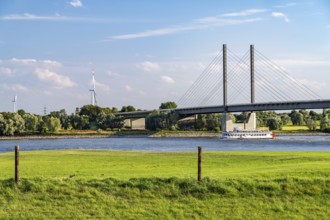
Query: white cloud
pixel 76 3
pixel 6 71
pixel 155 32
pixel 34 63
pixel 168 79
pixel 23 61
pixel 54 78
pixel 142 93
pixel 197 24
pixel 280 15
pixel 55 18
pixel 51 63
pixel 14 87
pixel 100 86
pixel 48 93
pixel 216 21
pixel 128 88
pixel 110 73
pixel 312 84
pixel 303 62
pixel 286 5
pixel 32 17
pixel 149 66
pixel 244 13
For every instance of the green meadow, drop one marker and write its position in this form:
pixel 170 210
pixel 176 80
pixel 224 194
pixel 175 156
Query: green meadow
pixel 84 184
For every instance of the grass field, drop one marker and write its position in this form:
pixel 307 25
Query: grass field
pixel 295 128
pixel 83 184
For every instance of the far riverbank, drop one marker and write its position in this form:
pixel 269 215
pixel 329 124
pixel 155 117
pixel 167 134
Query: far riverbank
pixel 162 134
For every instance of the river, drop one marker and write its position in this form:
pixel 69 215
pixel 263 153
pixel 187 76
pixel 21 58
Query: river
pixel 283 143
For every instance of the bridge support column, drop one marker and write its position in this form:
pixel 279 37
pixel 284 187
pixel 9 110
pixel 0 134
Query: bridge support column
pixel 224 122
pixel 136 123
pixel 252 122
pixel 252 73
pixel 229 125
pixel 224 78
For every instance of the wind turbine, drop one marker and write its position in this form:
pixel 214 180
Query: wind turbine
pixel 14 102
pixel 93 92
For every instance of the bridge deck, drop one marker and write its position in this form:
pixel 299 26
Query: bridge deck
pixel 270 106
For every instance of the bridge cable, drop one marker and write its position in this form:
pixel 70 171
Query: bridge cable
pixel 238 77
pixel 193 91
pixel 280 70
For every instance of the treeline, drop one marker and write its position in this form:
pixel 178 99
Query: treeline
pixel 311 119
pixel 86 117
pixel 94 117
pixel 170 120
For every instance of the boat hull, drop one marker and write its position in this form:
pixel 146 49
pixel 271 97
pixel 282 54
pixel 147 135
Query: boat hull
pixel 248 135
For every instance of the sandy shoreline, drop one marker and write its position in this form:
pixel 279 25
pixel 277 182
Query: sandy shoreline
pixel 161 135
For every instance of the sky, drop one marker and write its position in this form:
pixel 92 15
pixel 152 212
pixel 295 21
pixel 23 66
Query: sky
pixel 147 52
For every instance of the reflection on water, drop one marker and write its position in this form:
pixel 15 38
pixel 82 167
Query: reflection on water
pixel 289 143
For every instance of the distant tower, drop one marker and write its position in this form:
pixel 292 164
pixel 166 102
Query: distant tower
pixel 45 110
pixel 14 103
pixel 93 92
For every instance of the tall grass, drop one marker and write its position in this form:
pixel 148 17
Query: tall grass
pixel 165 198
pixel 83 184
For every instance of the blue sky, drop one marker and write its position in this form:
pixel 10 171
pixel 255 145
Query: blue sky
pixel 147 52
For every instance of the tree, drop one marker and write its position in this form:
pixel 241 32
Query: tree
pixel 285 118
pixel 21 112
pixel 112 121
pixel 315 115
pixel 274 123
pixel 128 108
pixel 79 121
pixel 161 120
pixel 83 122
pixel 52 124
pixel 168 105
pixel 213 122
pixel 305 115
pixel 200 123
pixel 311 124
pixel 324 123
pixel 100 120
pixel 107 110
pixel 114 110
pixel 11 123
pixel 31 122
pixel 263 117
pixel 241 118
pixel 296 118
pixel 91 111
pixel 63 117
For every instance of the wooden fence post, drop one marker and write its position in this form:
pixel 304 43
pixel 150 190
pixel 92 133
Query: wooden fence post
pixel 199 177
pixel 16 164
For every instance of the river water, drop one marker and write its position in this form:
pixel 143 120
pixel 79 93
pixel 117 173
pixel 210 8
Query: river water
pixel 288 143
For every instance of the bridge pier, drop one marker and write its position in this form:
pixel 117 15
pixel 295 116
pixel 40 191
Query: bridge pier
pixel 229 125
pixel 135 123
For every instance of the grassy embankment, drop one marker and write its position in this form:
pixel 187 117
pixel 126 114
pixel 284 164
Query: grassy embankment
pixel 139 185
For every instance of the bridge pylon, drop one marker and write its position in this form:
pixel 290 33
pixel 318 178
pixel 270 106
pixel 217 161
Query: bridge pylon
pixel 227 124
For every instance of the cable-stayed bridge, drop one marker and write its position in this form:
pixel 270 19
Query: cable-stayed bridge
pixel 248 83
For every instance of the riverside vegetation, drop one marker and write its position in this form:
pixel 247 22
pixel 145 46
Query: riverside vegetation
pixel 99 119
pixel 84 184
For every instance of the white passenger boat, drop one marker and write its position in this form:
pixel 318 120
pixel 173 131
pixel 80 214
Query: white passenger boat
pixel 248 134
